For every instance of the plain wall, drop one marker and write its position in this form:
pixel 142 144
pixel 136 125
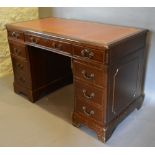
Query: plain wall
pixel 137 17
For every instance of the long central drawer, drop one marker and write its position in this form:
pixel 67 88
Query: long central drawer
pixel 38 40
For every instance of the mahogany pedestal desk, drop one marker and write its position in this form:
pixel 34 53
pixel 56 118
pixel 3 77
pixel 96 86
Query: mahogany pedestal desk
pixel 104 62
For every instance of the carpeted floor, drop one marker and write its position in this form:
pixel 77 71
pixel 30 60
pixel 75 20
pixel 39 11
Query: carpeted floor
pixel 48 122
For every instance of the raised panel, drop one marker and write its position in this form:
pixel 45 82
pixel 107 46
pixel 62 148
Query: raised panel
pixel 125 82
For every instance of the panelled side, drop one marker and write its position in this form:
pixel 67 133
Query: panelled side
pixel 125 76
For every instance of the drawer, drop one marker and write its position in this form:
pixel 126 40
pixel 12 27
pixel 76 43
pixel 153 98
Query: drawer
pixel 50 43
pixel 21 67
pixel 64 46
pixel 90 94
pixel 89 53
pixel 89 111
pixel 37 40
pixel 14 34
pixel 18 50
pixel 22 80
pixel 90 74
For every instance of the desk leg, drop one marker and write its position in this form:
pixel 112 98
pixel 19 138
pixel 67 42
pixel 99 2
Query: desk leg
pixel 25 91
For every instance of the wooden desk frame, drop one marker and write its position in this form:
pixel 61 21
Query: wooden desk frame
pixel 108 78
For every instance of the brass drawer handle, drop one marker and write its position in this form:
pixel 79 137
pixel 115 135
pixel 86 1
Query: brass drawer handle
pixel 87 76
pixel 86 113
pixel 34 40
pixel 92 95
pixel 86 53
pixel 53 44
pixel 17 51
pixel 58 46
pixel 15 34
pixel 20 66
pixel 22 80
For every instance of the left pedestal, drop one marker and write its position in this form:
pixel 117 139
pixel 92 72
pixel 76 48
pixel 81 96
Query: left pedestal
pixel 36 71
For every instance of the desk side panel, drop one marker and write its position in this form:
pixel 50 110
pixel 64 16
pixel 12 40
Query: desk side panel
pixel 125 77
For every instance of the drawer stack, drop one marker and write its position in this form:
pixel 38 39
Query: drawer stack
pixel 90 83
pixel 37 72
pixel 20 63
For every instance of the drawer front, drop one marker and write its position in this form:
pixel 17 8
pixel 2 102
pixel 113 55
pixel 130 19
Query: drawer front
pixel 54 44
pixel 20 66
pixel 91 95
pixel 21 72
pixel 14 34
pixel 18 50
pixel 22 80
pixel 88 53
pixel 90 74
pixel 89 111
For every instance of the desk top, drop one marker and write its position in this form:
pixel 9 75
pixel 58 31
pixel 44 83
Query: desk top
pixel 103 34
